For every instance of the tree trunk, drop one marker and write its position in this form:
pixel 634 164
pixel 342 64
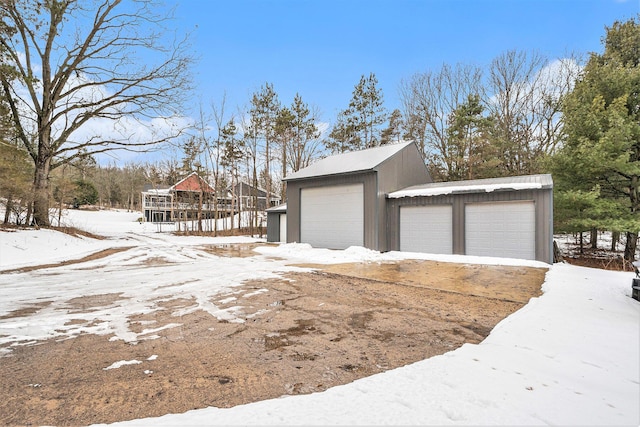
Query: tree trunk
pixel 200 201
pixel 615 237
pixel 8 207
pixel 581 244
pixel 630 246
pixel 29 213
pixel 283 188
pixel 557 255
pixel 268 167
pixel 594 238
pixel 233 200
pixel 41 192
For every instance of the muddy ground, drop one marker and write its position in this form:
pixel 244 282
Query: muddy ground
pixel 304 334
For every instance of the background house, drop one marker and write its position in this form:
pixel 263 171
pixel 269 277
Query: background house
pixel 248 196
pixel 157 203
pixel 185 200
pixel 193 196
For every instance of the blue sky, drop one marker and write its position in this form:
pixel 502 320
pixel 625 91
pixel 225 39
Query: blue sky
pixel 321 48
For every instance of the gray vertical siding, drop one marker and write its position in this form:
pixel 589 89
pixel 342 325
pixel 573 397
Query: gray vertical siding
pixel 404 169
pixel 543 200
pixel 273 226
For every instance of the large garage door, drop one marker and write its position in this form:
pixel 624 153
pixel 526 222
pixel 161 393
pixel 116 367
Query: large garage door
pixel 332 217
pixel 504 229
pixel 426 229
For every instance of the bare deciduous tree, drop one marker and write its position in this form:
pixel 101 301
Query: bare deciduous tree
pixel 428 99
pixel 526 94
pixel 80 63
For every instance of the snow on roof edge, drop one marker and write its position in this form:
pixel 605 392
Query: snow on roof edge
pixel 524 182
pixel 279 208
pixel 488 188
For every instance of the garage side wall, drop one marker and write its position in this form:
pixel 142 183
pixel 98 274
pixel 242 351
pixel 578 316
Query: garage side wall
pixel 404 169
pixel 368 179
pixel 543 200
pixel 273 226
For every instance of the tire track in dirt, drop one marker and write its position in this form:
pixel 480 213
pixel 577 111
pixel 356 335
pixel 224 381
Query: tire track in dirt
pixel 92 257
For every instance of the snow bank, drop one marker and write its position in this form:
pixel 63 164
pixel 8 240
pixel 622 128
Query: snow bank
pixel 305 253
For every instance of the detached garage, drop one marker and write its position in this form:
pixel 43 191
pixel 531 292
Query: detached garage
pixel 384 199
pixel 277 224
pixel 501 217
pixel 339 201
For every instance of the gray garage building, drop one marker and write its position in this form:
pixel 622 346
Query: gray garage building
pixel 384 199
pixel 340 201
pixel 277 224
pixel 502 217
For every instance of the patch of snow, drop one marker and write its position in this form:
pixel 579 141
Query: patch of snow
pixel 117 365
pixel 304 253
pixel 258 292
pixel 486 188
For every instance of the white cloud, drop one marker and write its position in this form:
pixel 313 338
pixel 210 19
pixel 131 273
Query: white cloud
pixel 128 128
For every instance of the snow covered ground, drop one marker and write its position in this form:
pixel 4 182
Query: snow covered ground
pixel 569 357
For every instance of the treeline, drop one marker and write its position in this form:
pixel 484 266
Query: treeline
pixel 520 114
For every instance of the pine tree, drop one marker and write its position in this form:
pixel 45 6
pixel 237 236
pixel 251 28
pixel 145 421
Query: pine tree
pixel 343 136
pixel 358 126
pixel 601 154
pixel 305 133
pixel 284 131
pixel 470 152
pixel 393 133
pixel 232 154
pixel 264 108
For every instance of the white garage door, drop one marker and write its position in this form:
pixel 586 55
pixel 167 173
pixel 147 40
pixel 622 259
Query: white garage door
pixel 426 229
pixel 283 228
pixel 332 217
pixel 504 229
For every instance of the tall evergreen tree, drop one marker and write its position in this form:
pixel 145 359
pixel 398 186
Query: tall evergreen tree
pixel 284 135
pixel 358 126
pixel 233 151
pixel 470 154
pixel 343 136
pixel 601 156
pixel 393 133
pixel 264 108
pixel 305 133
pixel 298 135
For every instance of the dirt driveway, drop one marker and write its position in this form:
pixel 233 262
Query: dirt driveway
pixel 303 334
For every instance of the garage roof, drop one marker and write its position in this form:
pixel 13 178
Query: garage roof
pixel 355 161
pixel 281 208
pixel 525 182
